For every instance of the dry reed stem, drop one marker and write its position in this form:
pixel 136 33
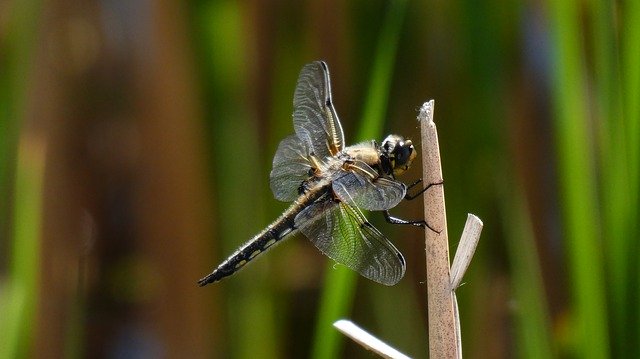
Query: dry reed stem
pixel 440 298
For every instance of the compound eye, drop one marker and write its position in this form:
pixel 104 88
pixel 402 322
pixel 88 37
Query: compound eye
pixel 389 143
pixel 385 145
pixel 403 154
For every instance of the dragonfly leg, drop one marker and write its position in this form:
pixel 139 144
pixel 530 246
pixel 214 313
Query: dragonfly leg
pixel 395 220
pixel 409 197
pixel 418 181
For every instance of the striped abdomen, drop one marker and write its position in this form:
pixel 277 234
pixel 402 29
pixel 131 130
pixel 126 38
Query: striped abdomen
pixel 275 232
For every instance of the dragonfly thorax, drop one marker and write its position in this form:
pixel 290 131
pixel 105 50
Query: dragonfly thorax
pixel 366 152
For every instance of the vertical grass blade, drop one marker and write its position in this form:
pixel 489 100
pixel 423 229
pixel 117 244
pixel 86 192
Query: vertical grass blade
pixel 250 306
pixel 21 171
pixel 532 319
pixel 631 86
pixel 617 192
pixel 19 315
pixel 375 105
pixel 339 288
pixel 335 303
pixel 630 55
pixel 15 53
pixel 575 158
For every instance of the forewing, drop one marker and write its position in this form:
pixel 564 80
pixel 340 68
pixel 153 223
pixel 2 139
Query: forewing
pixel 342 233
pixel 314 117
pixel 290 168
pixel 373 194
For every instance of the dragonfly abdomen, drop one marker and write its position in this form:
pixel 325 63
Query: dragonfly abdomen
pixel 249 251
pixel 275 232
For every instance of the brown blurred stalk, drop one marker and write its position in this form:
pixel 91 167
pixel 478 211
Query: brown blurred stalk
pixel 125 214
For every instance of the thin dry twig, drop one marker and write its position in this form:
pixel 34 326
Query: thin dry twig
pixel 367 340
pixel 466 249
pixel 462 259
pixel 442 323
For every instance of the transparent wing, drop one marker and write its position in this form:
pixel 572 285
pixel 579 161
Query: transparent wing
pixel 367 190
pixel 342 233
pixel 314 118
pixel 290 168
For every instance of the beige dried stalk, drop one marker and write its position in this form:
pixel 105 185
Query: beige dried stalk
pixel 443 336
pixel 444 318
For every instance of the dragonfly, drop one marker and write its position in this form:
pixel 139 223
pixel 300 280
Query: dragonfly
pixel 329 184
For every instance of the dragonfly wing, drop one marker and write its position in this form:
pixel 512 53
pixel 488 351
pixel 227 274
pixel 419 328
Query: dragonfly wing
pixel 371 193
pixel 291 168
pixel 342 233
pixel 314 118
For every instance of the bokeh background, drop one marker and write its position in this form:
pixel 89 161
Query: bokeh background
pixel 136 140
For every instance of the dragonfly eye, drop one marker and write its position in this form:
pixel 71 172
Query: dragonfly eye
pixel 397 154
pixel 390 144
pixel 403 154
pixel 385 146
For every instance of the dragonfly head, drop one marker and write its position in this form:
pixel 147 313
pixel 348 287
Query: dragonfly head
pixel 396 155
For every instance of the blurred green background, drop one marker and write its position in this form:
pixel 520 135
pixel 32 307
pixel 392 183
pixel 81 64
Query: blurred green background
pixel 136 140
